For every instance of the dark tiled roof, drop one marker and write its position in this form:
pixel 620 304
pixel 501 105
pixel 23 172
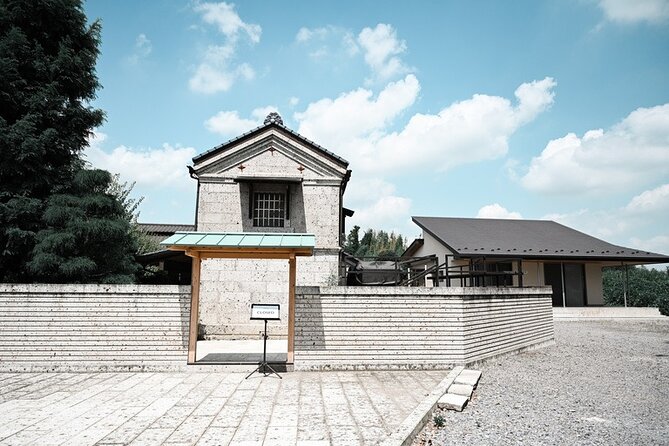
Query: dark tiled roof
pixel 161 228
pixel 252 133
pixel 160 231
pixel 474 237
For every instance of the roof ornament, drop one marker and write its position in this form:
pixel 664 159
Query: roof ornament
pixel 273 117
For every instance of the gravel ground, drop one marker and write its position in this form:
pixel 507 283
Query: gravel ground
pixel 603 383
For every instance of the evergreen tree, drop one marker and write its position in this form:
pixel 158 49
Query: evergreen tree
pixel 375 243
pixel 87 236
pixel 121 192
pixel 365 244
pixel 47 78
pixel 353 241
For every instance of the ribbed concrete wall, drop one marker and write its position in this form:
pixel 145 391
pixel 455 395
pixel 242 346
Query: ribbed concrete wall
pixel 396 327
pixel 93 327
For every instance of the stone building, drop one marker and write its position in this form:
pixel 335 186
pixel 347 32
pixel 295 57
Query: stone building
pixel 269 180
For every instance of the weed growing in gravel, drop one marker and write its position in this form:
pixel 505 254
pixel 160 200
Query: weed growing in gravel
pixel 439 420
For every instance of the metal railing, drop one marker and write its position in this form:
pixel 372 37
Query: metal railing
pixel 418 271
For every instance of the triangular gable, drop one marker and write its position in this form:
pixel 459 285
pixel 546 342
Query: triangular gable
pixel 270 136
pixel 269 154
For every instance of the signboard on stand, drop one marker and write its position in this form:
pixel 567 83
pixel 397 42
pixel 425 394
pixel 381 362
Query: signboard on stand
pixel 268 312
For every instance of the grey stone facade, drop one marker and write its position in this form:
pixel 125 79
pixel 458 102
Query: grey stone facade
pixel 271 159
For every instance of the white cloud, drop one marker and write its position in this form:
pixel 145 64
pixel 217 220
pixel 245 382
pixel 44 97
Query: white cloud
pixel 214 73
pixel 224 16
pixel 293 101
pixel 160 167
pixel 382 49
pixel 229 123
pixel 616 229
pixel 633 152
pixel 658 244
pixel 377 205
pixel 496 210
pixel 355 125
pixel 217 71
pixel 654 200
pixel 633 11
pixel 341 123
pixel 327 41
pixel 618 226
pixel 141 50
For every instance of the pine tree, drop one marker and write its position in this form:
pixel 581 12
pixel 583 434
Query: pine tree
pixel 58 221
pixel 353 241
pixel 47 78
pixel 87 237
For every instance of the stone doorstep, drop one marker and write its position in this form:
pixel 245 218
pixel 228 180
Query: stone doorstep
pixel 461 389
pixel 451 401
pixel 468 377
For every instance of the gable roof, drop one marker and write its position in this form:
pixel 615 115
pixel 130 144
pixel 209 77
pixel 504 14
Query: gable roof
pixel 269 123
pixel 538 239
pixel 162 228
pixel 159 231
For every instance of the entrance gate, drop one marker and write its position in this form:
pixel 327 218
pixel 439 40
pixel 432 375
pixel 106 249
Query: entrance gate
pixel 240 245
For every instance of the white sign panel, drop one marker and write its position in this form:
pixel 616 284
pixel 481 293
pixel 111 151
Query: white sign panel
pixel 265 311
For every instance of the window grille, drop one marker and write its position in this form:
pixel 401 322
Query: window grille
pixel 269 209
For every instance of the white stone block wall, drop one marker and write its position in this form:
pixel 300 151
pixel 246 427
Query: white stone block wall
pixel 93 327
pixel 314 209
pixel 229 287
pixel 396 327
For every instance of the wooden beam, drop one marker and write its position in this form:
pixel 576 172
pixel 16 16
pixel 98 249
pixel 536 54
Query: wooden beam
pixel 226 252
pixel 194 308
pixel 291 308
pixel 214 254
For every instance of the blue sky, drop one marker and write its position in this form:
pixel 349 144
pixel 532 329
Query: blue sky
pixel 532 109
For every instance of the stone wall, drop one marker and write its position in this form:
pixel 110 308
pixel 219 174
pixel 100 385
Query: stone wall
pixel 230 286
pixel 397 327
pixel 93 327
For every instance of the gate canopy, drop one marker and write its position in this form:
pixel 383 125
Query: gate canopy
pixel 240 245
pixel 247 244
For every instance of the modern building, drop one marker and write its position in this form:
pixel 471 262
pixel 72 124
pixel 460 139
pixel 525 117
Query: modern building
pixel 524 252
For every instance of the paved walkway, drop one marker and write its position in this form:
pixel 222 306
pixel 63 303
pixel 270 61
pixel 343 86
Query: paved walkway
pixel 309 408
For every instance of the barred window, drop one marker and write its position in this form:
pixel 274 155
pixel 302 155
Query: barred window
pixel 269 209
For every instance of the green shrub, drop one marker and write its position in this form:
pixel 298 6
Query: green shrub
pixel 663 305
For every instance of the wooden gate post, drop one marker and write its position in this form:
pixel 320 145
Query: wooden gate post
pixel 194 306
pixel 291 307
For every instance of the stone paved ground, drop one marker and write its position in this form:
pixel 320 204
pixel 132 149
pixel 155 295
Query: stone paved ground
pixel 346 408
pixel 604 383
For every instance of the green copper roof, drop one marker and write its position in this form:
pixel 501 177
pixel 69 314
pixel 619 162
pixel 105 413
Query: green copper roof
pixel 240 240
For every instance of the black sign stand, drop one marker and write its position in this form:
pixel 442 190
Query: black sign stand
pixel 263 366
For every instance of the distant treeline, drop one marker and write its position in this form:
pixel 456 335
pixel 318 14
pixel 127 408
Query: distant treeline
pixel 374 243
pixel 645 288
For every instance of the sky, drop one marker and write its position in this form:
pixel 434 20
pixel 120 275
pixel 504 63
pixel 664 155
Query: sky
pixel 527 109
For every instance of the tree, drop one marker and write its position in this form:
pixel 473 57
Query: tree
pixel 121 192
pixel 47 78
pixel 353 241
pixel 374 244
pixel 645 287
pixel 87 237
